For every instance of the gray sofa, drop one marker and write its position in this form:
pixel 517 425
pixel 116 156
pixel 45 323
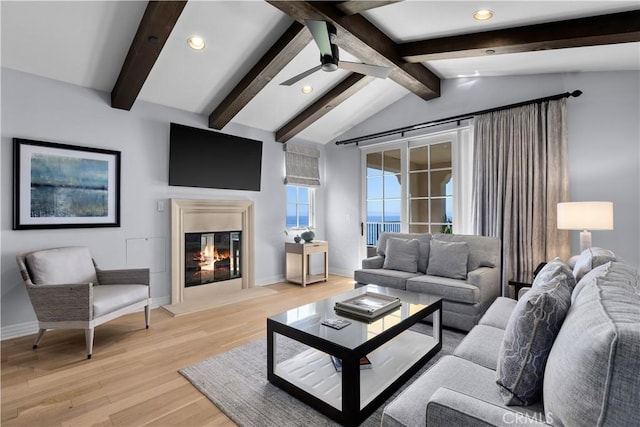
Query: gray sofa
pixel 463 270
pixel 590 375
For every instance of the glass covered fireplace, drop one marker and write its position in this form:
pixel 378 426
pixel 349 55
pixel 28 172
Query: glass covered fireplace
pixel 212 257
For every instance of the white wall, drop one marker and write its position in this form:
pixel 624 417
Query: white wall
pixel 47 110
pixel 604 153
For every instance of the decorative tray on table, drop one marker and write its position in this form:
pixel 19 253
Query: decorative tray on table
pixel 367 306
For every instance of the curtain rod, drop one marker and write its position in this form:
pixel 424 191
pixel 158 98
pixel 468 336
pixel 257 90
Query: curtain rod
pixel 457 118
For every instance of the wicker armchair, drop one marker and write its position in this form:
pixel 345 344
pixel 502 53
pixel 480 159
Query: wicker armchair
pixel 68 291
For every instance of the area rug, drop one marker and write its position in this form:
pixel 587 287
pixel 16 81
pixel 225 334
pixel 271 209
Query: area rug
pixel 236 382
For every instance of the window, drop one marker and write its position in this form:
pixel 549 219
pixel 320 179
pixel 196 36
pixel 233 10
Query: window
pixel 299 206
pixel 430 189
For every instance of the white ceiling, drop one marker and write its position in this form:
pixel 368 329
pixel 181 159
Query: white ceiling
pixel 86 42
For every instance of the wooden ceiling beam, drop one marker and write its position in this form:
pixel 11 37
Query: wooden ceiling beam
pixel 296 38
pixel 366 42
pixel 352 7
pixel 334 97
pixel 157 23
pixel 592 31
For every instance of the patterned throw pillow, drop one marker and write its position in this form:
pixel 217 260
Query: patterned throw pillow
pixel 448 259
pixel 402 255
pixel 552 269
pixel 531 331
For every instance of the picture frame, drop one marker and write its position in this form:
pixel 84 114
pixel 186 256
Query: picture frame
pixel 64 186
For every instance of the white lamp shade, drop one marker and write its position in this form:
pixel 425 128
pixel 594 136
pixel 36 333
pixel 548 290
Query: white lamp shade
pixel 585 216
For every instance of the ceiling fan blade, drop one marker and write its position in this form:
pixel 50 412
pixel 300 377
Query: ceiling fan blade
pixel 370 70
pixel 300 76
pixel 320 34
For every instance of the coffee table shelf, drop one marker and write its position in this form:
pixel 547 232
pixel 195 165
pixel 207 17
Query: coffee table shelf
pixel 312 370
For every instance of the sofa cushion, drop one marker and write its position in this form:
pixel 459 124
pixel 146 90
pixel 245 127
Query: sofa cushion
pixel 532 328
pixel 449 289
pixel 591 258
pixel 59 266
pixel 448 259
pixel 592 371
pixel 378 276
pixel 454 373
pixel 423 238
pixel 499 313
pixel 481 346
pixel 109 298
pixel 402 255
pixel 483 251
pixel 552 269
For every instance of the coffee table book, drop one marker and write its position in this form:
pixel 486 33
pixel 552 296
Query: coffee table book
pixel 365 363
pixel 368 306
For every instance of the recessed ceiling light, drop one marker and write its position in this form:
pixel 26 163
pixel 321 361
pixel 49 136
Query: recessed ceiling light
pixel 196 42
pixel 482 14
pixel 307 89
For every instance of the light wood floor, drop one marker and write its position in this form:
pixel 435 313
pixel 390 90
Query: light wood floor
pixel 133 379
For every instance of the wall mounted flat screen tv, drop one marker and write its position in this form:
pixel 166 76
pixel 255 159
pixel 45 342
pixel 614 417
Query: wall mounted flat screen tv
pixel 204 158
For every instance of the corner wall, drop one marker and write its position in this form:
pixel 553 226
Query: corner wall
pixel 604 150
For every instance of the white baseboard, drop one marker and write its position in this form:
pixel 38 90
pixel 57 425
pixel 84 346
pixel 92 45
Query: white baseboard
pixel 30 328
pixel 341 272
pixel 19 330
pixel 270 280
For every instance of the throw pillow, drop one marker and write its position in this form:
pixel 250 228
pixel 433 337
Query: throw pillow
pixel 528 338
pixel 423 238
pixel 401 254
pixel 61 266
pixel 554 268
pixel 591 258
pixel 448 259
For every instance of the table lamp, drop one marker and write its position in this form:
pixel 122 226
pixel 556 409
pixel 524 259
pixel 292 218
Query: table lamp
pixel 585 216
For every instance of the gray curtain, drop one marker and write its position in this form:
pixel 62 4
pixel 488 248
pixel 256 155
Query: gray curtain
pixel 301 164
pixel 520 174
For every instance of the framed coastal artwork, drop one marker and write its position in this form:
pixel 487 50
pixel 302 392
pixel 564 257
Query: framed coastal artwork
pixel 64 186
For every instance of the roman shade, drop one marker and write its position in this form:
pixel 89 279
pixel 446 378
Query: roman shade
pixel 301 165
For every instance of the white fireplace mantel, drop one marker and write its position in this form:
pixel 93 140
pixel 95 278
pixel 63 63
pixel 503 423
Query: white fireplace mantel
pixel 196 215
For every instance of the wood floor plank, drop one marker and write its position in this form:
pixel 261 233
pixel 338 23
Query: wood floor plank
pixel 133 377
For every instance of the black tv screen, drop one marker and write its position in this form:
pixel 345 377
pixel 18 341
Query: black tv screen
pixel 204 158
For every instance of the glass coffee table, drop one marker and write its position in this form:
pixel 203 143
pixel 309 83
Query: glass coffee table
pixel 299 350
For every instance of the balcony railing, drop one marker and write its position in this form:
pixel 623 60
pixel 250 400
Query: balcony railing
pixel 375 228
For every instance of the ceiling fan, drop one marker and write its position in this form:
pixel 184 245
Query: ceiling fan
pixel 324 35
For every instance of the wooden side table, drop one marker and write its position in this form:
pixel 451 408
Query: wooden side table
pixel 298 258
pixel 519 284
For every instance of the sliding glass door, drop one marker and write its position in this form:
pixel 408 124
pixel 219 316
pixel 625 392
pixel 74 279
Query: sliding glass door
pixel 419 185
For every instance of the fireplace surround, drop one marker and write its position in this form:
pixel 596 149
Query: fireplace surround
pixel 196 222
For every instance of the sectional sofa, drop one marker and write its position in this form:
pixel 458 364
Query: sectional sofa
pixel 463 270
pixel 564 354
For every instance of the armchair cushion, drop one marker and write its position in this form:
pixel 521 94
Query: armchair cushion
pixel 402 255
pixel 70 265
pixel 109 298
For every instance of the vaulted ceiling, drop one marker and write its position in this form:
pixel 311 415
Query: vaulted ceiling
pixel 138 52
